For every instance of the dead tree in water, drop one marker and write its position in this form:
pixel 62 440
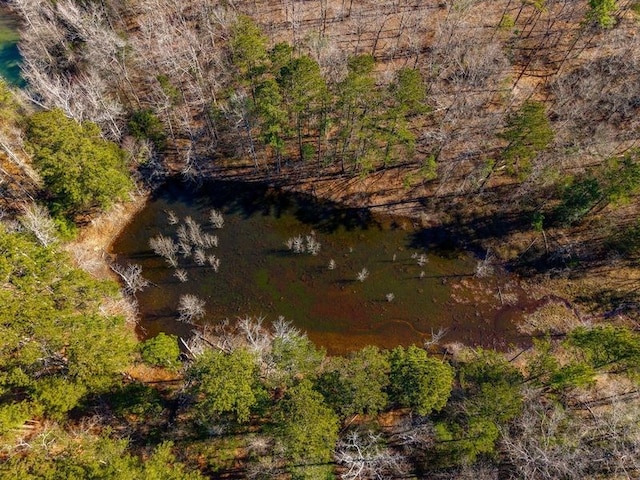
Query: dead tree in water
pixel 132 277
pixel 166 248
pixel 190 308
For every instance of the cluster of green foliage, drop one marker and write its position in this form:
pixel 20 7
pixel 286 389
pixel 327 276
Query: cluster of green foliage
pixel 60 354
pixel 602 12
pixel 608 348
pixel 81 170
pixel 356 122
pixel 626 240
pixel 585 353
pixel 161 351
pixel 56 347
pixel 305 396
pixel 225 384
pixel 356 384
pixel 489 398
pixel 546 371
pixel 89 456
pixel 418 381
pixel 470 403
pixel 528 132
pixel 10 111
pixel 616 182
pixel 305 426
pixel 144 124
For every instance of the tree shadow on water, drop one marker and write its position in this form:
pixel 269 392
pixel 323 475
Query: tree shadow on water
pixel 250 199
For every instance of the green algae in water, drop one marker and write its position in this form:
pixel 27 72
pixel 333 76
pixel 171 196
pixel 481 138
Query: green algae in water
pixel 260 276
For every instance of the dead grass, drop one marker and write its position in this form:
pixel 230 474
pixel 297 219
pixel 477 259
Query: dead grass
pixel 90 250
pixel 553 317
pixel 147 374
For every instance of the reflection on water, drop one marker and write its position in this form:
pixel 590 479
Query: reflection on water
pixel 9 54
pixel 408 291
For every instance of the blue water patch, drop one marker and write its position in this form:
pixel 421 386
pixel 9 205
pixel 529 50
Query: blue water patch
pixel 10 57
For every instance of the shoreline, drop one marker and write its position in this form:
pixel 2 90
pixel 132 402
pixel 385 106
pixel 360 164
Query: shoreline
pixel 91 249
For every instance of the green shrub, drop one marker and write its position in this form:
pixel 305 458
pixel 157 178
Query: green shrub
pixel 145 124
pixel 602 12
pixel 578 198
pixel 528 132
pixel 161 351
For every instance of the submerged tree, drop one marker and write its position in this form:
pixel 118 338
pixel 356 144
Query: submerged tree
pixel 165 247
pixel 132 277
pixel 190 308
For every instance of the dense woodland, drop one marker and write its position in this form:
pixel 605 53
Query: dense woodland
pixel 508 126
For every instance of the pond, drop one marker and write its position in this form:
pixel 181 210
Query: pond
pixel 9 54
pixel 406 292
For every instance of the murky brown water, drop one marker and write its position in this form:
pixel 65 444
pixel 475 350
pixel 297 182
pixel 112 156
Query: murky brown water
pixel 259 275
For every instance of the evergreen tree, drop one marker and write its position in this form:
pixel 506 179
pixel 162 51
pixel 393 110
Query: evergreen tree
pixel 407 99
pixel 272 117
pixel 358 100
pixel 56 347
pixel 224 384
pixel 418 381
pixel 528 132
pixel 305 94
pixel 80 169
pixel 356 384
pixel 161 350
pixel 248 47
pixel 608 347
pixel 304 426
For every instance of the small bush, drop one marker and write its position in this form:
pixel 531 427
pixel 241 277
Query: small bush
pixel 578 198
pixel 161 351
pixel 146 124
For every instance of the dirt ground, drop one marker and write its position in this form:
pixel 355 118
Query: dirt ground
pixel 90 249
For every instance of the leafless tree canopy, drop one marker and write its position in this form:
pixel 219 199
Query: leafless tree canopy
pixel 364 456
pixel 190 308
pixel 551 442
pixel 132 277
pixel 36 219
